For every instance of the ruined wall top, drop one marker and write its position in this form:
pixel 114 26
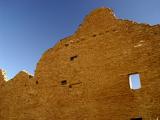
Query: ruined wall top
pixel 98 19
pixel 2 76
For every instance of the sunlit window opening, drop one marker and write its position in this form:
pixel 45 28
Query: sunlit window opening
pixel 134 81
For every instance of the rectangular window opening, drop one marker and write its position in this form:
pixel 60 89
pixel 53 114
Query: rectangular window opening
pixel 73 57
pixel 134 81
pixel 63 82
pixel 136 118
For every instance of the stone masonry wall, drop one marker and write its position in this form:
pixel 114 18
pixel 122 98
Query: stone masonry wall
pixel 85 76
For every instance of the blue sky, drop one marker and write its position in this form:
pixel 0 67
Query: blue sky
pixel 135 81
pixel 30 27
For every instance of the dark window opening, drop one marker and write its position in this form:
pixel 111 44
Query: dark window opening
pixel 36 82
pixel 136 118
pixel 73 57
pixel 30 76
pixel 63 82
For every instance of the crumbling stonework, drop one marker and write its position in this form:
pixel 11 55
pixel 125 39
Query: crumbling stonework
pixel 85 76
pixel 2 77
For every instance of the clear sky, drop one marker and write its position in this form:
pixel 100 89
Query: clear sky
pixel 30 27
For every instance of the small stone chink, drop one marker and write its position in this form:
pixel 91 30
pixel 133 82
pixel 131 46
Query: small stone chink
pixel 101 33
pixel 70 86
pixel 106 31
pixel 66 44
pixel 94 35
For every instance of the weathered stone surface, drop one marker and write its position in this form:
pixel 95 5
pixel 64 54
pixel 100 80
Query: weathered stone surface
pixel 85 76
